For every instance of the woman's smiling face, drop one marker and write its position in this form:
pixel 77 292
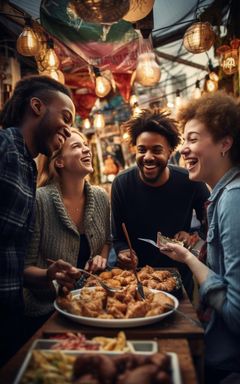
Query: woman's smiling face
pixel 201 153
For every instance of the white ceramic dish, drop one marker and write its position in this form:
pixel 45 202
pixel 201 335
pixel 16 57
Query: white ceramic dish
pixel 174 364
pixel 117 323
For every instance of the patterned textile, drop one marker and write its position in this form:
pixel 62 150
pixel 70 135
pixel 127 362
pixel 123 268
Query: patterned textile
pixel 17 194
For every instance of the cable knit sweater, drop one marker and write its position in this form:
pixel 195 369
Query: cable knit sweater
pixel 56 237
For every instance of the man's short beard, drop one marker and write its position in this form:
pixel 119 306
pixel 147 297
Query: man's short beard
pixel 150 180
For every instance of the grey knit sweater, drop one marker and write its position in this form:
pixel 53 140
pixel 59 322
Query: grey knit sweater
pixel 56 237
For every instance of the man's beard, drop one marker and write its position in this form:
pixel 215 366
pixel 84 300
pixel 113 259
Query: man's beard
pixel 43 135
pixel 161 166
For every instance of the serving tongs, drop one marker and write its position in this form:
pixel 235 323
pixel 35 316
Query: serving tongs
pixel 139 284
pixel 110 290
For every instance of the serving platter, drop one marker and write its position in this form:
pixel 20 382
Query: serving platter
pixel 36 373
pixel 117 323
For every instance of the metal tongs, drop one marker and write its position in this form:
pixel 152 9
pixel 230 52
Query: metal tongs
pixel 139 284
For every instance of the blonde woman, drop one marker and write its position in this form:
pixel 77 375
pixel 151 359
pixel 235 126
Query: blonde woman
pixel 72 225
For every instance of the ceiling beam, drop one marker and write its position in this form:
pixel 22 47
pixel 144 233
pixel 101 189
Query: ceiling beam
pixel 176 59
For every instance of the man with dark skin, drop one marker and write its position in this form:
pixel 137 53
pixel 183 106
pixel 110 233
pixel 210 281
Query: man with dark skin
pixel 154 195
pixel 36 119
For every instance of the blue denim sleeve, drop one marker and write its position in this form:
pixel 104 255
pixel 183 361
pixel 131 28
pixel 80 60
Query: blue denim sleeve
pixel 223 292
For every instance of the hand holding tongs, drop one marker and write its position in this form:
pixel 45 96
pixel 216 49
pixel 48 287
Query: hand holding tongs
pixel 139 284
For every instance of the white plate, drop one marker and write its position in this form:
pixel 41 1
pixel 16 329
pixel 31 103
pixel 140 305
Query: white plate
pixel 118 323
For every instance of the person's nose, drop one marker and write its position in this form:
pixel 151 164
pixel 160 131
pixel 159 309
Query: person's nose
pixel 184 149
pixel 148 155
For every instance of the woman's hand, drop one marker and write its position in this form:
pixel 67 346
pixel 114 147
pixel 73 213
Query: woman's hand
pixel 176 252
pixel 97 263
pixel 64 273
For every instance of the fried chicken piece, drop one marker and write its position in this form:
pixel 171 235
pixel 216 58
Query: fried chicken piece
pixel 161 275
pixel 93 308
pixel 116 271
pixel 149 270
pixel 137 309
pixel 116 308
pixel 155 311
pixel 105 275
pixel 69 305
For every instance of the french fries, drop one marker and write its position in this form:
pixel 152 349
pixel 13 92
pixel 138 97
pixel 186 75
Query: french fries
pixel 118 343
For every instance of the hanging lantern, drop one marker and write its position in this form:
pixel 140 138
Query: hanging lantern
pixel 138 10
pixel 148 72
pixel 100 11
pixel 55 74
pixel 50 59
pixel 199 37
pixel 229 57
pixel 27 42
pixel 98 121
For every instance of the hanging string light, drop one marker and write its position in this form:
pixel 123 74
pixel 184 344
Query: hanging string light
pixel 27 42
pixel 197 91
pixel 86 124
pixel 103 85
pixel 213 75
pixel 148 72
pixel 50 59
pixel 55 74
pixel 98 121
pixel 210 85
pixel 178 100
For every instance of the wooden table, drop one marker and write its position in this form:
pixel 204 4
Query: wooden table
pixel 174 334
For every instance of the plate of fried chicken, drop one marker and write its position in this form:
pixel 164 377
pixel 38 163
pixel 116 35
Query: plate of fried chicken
pixel 93 306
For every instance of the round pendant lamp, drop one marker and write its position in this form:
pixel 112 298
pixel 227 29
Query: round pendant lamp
pixel 138 10
pixel 100 11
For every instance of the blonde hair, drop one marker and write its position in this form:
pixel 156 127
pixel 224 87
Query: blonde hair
pixel 47 172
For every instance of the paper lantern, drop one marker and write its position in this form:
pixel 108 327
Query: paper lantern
pixel 199 37
pixel 100 11
pixel 138 10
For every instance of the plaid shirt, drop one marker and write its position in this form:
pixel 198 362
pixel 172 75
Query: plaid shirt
pixel 17 196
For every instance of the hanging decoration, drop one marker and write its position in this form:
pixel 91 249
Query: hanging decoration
pixel 199 37
pixel 100 11
pixel 28 43
pixel 86 124
pixel 55 74
pixel 197 91
pixel 138 10
pixel 229 57
pixel 98 121
pixel 148 72
pixel 210 85
pixel 50 59
pixel 102 84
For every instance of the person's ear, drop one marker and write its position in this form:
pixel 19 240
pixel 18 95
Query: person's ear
pixel 226 144
pixel 36 105
pixel 59 163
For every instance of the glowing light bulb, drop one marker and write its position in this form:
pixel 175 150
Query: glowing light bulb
pixel 148 72
pixel 55 74
pixel 103 86
pixel 86 124
pixel 211 85
pixel 27 42
pixel 98 121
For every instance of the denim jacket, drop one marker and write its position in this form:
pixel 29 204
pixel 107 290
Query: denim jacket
pixel 221 289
